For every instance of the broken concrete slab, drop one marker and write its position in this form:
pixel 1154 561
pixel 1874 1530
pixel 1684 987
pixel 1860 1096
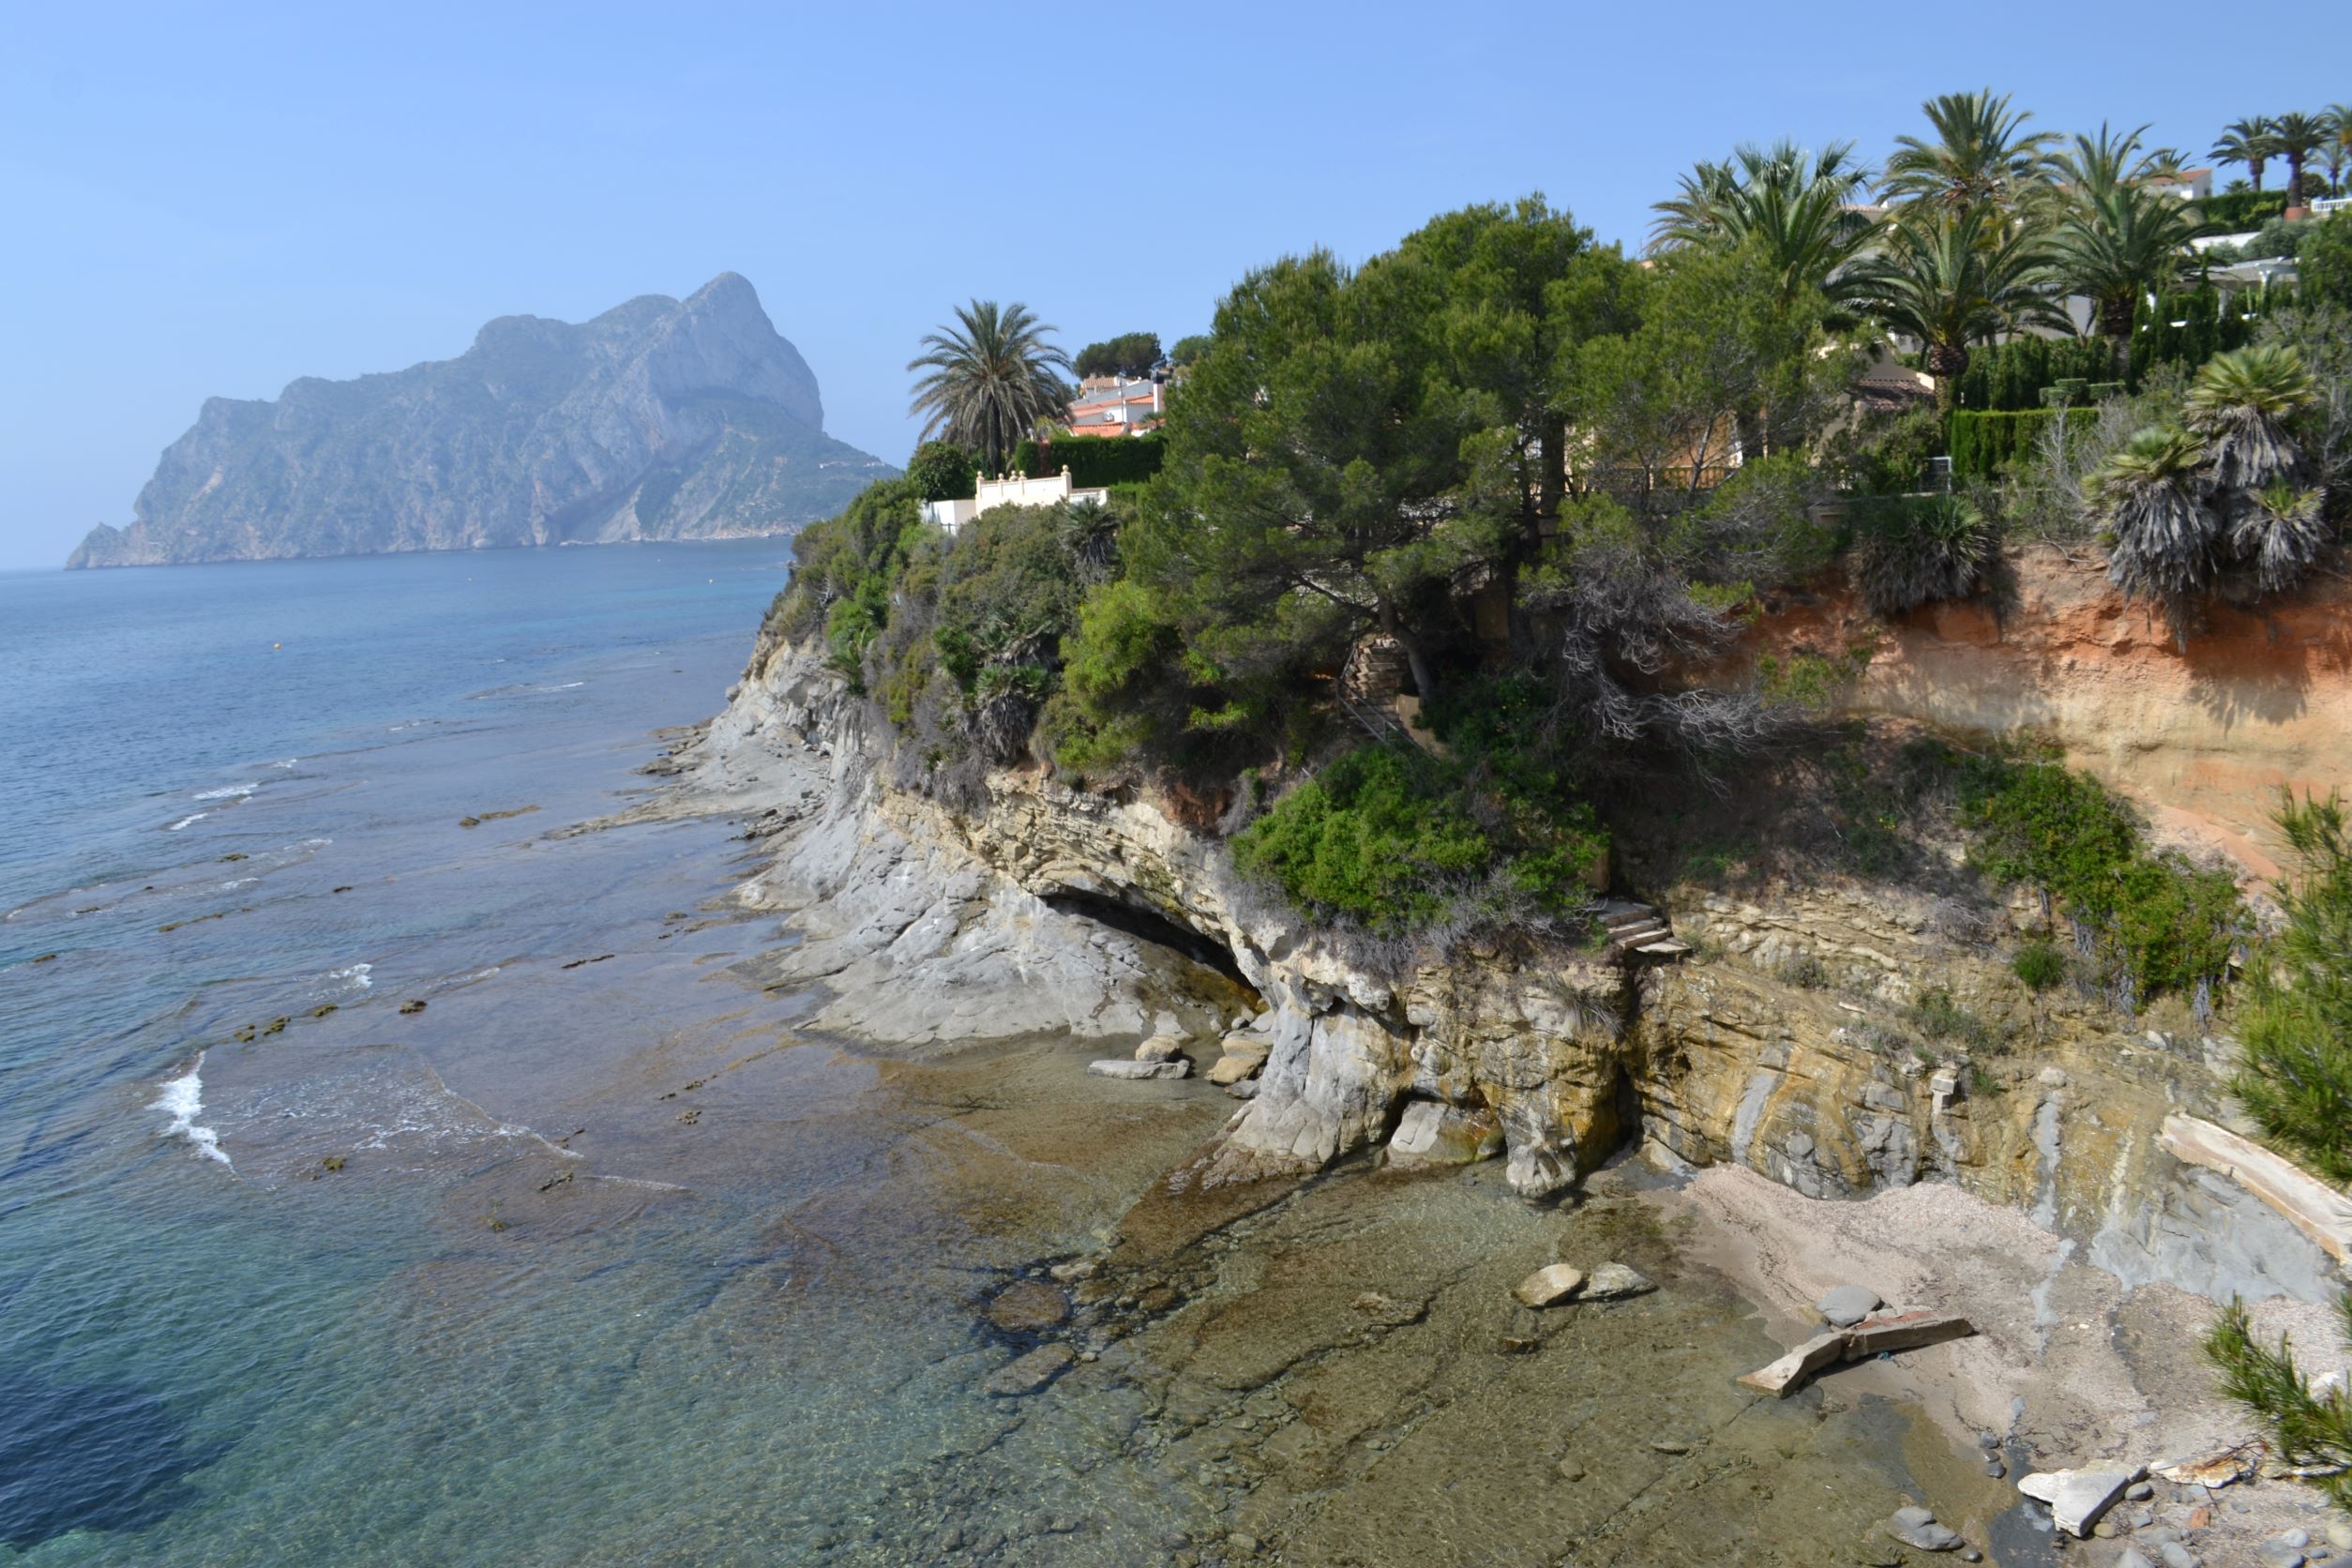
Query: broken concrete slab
pixel 2077 1498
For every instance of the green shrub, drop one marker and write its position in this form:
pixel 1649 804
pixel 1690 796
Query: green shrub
pixel 942 471
pixel 2165 925
pixel 1806 971
pixel 1937 1016
pixel 845 569
pixel 2039 965
pixel 2295 1072
pixel 1396 840
pixel 1909 549
pixel 1984 443
pixel 2324 265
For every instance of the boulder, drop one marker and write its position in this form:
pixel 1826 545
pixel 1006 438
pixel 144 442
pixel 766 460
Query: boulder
pixel 1239 1062
pixel 1113 1068
pixel 1032 1372
pixel 1160 1047
pixel 1434 1133
pixel 2278 1552
pixel 2078 1497
pixel 1548 1286
pixel 1613 1282
pixel 1848 1304
pixel 1917 1527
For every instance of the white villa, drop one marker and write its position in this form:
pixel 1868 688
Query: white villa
pixel 1010 490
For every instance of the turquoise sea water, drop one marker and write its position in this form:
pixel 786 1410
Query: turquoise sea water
pixel 594 1256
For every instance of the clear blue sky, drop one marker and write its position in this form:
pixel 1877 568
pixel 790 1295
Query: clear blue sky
pixel 215 200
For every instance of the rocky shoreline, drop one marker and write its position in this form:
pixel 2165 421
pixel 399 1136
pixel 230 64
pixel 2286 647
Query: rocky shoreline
pixel 2041 1200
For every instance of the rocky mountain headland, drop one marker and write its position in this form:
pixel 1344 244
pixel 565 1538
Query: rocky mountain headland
pixel 659 419
pixel 1832 1066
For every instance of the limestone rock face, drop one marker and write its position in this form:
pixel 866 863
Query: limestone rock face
pixel 1784 1041
pixel 659 419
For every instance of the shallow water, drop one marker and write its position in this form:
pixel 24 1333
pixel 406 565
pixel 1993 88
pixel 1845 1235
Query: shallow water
pixel 594 1259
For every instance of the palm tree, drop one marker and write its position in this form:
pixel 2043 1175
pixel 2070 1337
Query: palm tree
pixel 2239 405
pixel 1795 205
pixel 2151 495
pixel 2338 152
pixel 2117 238
pixel 2296 137
pixel 1954 278
pixel 991 381
pixel 1982 155
pixel 2282 533
pixel 2247 141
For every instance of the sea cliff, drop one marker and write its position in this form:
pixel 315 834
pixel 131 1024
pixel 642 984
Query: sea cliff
pixel 1774 1042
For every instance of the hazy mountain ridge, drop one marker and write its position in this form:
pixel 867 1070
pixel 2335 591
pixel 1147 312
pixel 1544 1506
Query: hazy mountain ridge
pixel 659 419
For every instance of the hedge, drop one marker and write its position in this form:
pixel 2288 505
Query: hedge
pixel 1985 442
pixel 2014 375
pixel 2236 212
pixel 1094 462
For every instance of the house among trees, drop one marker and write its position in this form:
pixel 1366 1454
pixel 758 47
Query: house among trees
pixel 1117 406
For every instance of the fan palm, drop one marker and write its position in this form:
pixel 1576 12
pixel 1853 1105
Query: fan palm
pixel 2151 497
pixel 1796 206
pixel 2117 238
pixel 1982 155
pixel 1954 278
pixel 2240 403
pixel 2247 141
pixel 990 380
pixel 2280 533
pixel 2296 136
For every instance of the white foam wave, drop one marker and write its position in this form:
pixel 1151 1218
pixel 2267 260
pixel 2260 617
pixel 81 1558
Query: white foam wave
pixel 357 974
pixel 287 764
pixel 228 791
pixel 183 1100
pixel 193 817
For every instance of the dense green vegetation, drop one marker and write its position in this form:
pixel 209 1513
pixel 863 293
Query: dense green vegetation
pixel 1391 838
pixel 2295 1031
pixel 2147 922
pixel 1985 444
pixel 1438 553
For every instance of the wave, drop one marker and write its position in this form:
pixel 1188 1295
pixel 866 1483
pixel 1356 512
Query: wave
pixel 228 791
pixel 183 1100
pixel 356 973
pixel 287 764
pixel 194 817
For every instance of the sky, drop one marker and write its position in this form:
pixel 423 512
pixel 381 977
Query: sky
pixel 213 199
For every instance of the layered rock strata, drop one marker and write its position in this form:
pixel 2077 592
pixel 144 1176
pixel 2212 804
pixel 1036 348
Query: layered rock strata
pixel 922 925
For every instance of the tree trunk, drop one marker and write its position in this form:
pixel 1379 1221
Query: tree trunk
pixel 2294 180
pixel 2253 167
pixel 1424 678
pixel 1947 363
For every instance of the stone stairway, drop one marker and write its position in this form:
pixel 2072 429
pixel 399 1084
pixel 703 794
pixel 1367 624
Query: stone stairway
pixel 1637 928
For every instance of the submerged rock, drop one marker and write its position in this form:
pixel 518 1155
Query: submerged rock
pixel 1433 1133
pixel 1027 1306
pixel 1548 1286
pixel 1615 1281
pixel 1032 1372
pixel 1917 1527
pixel 1113 1068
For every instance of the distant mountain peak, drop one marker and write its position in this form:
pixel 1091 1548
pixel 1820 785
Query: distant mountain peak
pixel 660 418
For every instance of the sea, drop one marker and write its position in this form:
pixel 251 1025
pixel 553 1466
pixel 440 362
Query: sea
pixel 397 1167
